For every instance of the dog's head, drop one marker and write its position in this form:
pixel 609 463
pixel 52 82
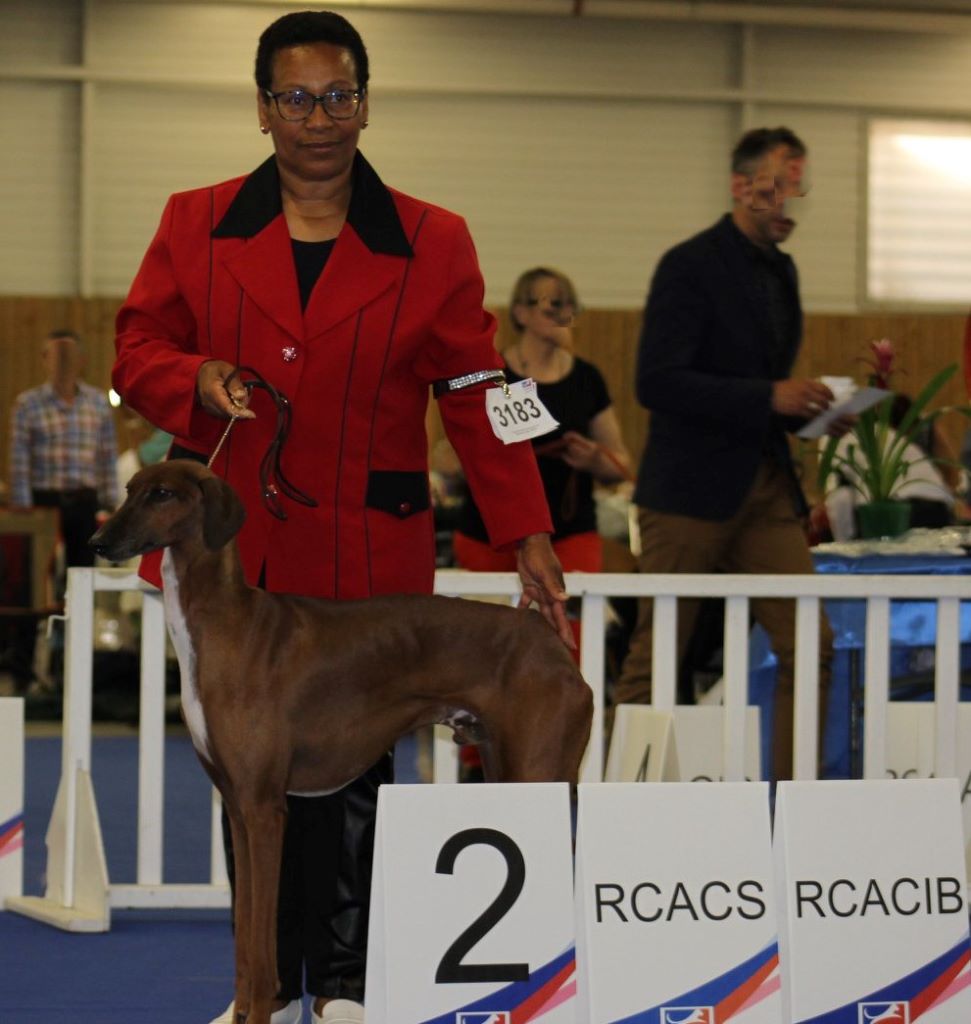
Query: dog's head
pixel 168 503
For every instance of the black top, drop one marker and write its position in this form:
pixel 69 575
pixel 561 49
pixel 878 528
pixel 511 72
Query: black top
pixel 310 258
pixel 776 287
pixel 573 401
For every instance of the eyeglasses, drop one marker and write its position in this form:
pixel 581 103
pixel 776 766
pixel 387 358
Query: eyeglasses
pixel 560 311
pixel 298 104
pixel 557 304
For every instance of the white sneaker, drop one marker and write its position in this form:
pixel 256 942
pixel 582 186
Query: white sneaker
pixel 228 1016
pixel 292 1013
pixel 340 1011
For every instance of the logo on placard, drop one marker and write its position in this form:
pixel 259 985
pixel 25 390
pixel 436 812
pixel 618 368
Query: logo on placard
pixel 886 1011
pixel 484 1017
pixel 687 1015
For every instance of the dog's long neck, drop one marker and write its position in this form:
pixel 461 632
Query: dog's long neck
pixel 206 578
pixel 201 588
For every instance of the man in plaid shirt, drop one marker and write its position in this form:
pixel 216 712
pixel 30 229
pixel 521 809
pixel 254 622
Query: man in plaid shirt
pixel 63 452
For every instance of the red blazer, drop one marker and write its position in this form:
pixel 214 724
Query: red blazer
pixel 398 306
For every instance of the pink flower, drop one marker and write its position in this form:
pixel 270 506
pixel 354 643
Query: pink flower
pixel 881 363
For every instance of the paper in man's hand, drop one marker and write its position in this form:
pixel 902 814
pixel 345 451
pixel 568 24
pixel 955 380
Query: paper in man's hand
pixel 862 399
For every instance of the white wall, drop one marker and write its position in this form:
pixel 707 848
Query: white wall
pixel 591 144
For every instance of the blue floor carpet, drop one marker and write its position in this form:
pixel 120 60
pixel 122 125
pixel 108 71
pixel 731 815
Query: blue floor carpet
pixel 153 967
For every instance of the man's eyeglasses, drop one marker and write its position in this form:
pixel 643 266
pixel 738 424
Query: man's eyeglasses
pixel 298 105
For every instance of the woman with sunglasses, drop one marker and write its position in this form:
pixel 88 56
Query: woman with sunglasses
pixel 354 300
pixel 585 449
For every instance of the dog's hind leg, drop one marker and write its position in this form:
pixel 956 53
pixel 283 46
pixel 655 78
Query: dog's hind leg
pixel 265 823
pixel 541 729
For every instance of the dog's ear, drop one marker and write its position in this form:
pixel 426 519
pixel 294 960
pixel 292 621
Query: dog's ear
pixel 223 512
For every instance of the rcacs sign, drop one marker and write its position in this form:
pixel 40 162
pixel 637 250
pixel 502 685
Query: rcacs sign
pixel 676 918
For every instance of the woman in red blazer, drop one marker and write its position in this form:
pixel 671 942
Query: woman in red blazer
pixel 354 300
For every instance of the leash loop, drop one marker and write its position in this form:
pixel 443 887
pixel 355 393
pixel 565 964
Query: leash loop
pixel 273 480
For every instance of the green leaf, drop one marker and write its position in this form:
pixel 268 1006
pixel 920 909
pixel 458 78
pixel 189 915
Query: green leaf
pixel 874 462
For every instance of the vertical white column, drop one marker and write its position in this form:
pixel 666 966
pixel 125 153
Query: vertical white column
pixel 151 742
pixel 806 702
pixel 736 687
pixel 664 655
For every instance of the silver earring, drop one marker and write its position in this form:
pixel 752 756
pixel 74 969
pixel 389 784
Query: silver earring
pixel 365 124
pixel 264 128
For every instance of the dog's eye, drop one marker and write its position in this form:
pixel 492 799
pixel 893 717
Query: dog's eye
pixel 160 494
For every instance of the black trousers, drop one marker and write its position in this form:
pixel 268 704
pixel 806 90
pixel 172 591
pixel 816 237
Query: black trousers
pixel 325 888
pixel 79 511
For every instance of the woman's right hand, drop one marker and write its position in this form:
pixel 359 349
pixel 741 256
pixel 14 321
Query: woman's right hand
pixel 219 395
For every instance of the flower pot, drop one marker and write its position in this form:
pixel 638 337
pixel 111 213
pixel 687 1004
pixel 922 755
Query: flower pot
pixel 883 518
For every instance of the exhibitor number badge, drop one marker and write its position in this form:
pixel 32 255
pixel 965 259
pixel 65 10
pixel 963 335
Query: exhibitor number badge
pixel 516 412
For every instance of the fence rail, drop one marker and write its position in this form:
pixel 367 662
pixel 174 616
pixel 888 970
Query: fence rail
pixel 594 590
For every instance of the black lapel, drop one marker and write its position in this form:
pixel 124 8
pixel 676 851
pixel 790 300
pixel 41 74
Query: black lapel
pixel 372 212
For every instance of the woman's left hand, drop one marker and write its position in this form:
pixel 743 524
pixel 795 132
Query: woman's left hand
pixel 542 579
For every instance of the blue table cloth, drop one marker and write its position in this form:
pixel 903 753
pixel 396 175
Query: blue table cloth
pixel 912 638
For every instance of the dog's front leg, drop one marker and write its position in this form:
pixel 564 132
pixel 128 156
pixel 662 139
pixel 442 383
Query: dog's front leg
pixel 264 827
pixel 242 912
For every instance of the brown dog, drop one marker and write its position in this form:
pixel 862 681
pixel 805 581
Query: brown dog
pixel 301 695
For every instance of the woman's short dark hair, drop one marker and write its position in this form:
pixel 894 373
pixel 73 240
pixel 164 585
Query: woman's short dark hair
pixel 753 145
pixel 303 27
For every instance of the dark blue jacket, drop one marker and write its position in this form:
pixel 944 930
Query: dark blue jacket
pixel 705 368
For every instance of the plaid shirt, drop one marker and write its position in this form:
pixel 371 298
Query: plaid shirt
pixel 56 446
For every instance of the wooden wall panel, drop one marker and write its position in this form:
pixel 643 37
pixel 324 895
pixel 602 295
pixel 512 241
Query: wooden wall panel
pixel 834 344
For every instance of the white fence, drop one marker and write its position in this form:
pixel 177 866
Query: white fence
pixel 78 900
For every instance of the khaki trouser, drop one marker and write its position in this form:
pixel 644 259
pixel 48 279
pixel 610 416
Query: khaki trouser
pixel 763 537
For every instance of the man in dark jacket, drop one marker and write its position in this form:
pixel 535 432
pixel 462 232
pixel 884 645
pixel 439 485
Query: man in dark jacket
pixel 716 490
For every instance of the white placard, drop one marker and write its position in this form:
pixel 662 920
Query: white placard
pixel 910 752
pixel 517 413
pixel 676 919
pixel 642 746
pixel 11 798
pixel 873 919
pixel 699 736
pixel 472 906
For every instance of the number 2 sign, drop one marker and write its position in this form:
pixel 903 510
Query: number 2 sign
pixel 471 906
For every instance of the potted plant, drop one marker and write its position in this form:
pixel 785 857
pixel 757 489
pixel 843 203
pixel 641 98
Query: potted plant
pixel 876 456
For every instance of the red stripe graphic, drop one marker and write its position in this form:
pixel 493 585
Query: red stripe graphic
pixel 524 1012
pixel 734 1000
pixel 922 1003
pixel 7 838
